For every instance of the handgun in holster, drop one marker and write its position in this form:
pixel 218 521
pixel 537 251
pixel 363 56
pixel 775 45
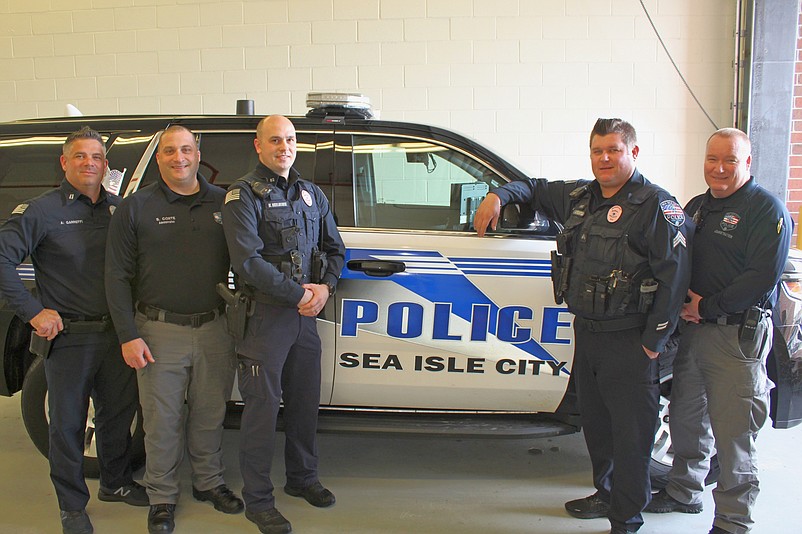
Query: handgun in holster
pixel 40 346
pixel 320 264
pixel 560 268
pixel 239 307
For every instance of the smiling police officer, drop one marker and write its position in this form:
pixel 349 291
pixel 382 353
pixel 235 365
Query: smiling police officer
pixel 64 232
pixel 287 254
pixel 166 253
pixel 720 394
pixel 622 266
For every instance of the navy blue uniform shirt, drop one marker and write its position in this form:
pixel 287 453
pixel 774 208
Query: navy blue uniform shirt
pixel 64 233
pixel 653 234
pixel 253 229
pixel 739 250
pixel 165 250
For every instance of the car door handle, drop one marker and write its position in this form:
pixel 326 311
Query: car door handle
pixel 377 267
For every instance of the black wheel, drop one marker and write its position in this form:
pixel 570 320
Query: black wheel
pixel 662 451
pixel 35 417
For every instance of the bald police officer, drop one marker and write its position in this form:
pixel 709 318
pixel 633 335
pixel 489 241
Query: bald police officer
pixel 720 394
pixel 622 268
pixel 64 232
pixel 277 225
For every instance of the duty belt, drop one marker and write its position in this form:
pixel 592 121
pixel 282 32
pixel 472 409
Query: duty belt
pixel 194 320
pixel 85 324
pixel 613 325
pixel 733 319
pixel 725 320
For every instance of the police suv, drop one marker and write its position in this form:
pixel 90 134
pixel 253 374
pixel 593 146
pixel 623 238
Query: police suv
pixel 433 330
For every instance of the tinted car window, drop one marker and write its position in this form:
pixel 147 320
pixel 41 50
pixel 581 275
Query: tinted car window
pixel 225 156
pixel 29 166
pixel 414 184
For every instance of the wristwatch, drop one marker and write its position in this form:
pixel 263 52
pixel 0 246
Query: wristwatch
pixel 332 289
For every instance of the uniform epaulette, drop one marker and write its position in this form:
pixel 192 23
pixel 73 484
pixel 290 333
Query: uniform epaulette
pixel 644 193
pixel 579 192
pixel 260 188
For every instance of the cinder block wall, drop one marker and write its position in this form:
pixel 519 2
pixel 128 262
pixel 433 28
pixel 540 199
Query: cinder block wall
pixel 525 77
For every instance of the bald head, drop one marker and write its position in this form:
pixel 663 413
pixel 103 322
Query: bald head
pixel 275 144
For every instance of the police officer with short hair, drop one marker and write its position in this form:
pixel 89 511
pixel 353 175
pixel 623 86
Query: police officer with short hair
pixel 166 254
pixel 622 266
pixel 279 228
pixel 720 393
pixel 64 232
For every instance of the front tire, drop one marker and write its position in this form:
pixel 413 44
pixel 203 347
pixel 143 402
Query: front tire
pixel 35 418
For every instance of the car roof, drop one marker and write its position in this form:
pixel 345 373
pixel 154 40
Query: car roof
pixel 315 121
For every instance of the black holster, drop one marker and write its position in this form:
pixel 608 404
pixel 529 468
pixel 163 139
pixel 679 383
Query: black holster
pixel 648 287
pixel 560 269
pixel 748 328
pixel 40 346
pixel 239 307
pixel 320 264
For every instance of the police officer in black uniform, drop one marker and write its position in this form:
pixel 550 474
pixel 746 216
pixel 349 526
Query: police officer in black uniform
pixel 64 232
pixel 720 393
pixel 287 255
pixel 166 253
pixel 622 266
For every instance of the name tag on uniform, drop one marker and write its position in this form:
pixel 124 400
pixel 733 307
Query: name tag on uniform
pixel 282 204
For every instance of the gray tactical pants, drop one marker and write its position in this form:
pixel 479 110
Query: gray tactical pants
pixel 192 364
pixel 719 402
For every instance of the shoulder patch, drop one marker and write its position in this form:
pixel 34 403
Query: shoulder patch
pixel 232 195
pixel 672 212
pixel 19 210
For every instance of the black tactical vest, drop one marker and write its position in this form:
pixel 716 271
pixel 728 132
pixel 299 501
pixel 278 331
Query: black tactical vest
pixel 607 278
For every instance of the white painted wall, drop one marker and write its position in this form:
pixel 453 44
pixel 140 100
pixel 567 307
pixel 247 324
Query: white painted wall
pixel 526 77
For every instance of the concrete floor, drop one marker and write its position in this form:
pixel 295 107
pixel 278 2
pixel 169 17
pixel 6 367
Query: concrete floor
pixel 407 485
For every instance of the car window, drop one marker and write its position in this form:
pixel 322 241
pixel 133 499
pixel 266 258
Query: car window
pixel 415 184
pixel 29 166
pixel 225 156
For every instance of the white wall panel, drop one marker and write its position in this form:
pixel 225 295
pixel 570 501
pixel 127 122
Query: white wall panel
pixel 525 77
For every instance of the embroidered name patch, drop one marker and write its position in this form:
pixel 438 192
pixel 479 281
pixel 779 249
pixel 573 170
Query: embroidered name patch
pixel 277 204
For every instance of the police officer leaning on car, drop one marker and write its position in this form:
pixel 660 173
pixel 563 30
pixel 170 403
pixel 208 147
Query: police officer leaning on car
pixel 64 232
pixel 720 393
pixel 287 254
pixel 622 266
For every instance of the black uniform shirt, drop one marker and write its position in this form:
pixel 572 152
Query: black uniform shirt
pixel 165 250
pixel 64 233
pixel 739 250
pixel 654 234
pixel 253 228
